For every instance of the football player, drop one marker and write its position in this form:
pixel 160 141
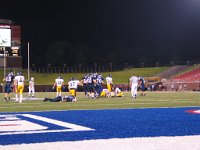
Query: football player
pixel 84 81
pixel 141 85
pixel 19 86
pixel 31 88
pixel 105 93
pixel 118 92
pixel 100 81
pixel 72 86
pixel 69 98
pixel 59 82
pixel 8 89
pixel 91 85
pixel 109 82
pixel 133 84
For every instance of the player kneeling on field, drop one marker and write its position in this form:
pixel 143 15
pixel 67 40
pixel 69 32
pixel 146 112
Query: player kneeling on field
pixel 105 93
pixel 69 98
pixel 117 93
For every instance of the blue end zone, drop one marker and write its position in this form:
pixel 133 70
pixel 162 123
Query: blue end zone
pixel 123 123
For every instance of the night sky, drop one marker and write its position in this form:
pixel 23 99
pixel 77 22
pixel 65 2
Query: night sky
pixel 152 26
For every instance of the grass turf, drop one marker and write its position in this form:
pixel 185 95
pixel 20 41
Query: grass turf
pixel 119 77
pixel 152 100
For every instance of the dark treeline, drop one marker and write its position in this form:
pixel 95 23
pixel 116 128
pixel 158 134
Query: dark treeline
pixel 63 53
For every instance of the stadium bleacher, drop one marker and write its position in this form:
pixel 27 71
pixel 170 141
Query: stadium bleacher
pixel 172 70
pixel 176 76
pixel 191 76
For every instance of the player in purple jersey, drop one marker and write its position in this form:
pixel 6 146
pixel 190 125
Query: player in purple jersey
pixel 141 84
pixel 84 81
pixel 100 81
pixel 8 86
pixel 69 98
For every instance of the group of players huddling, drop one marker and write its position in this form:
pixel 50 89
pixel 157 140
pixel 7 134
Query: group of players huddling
pixel 92 85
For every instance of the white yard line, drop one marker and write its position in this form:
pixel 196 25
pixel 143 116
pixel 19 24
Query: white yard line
pixel 30 98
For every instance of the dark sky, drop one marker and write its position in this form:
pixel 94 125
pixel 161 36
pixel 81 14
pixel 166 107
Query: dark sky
pixel 133 24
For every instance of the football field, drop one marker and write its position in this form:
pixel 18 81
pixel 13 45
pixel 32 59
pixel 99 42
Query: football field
pixel 160 120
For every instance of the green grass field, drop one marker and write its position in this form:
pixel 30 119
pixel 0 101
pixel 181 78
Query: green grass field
pixel 152 100
pixel 119 77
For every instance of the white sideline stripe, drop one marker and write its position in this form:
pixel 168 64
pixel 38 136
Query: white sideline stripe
pixel 144 143
pixel 131 103
pixel 59 123
pixel 103 108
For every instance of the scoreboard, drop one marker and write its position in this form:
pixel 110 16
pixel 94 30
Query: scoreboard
pixel 10 40
pixel 10 45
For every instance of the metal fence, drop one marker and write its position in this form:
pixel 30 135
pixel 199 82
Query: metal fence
pixel 75 69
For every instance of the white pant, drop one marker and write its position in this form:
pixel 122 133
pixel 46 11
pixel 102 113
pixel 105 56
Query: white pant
pixel 134 90
pixel 31 90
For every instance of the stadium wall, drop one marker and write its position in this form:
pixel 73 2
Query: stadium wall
pixel 190 86
pixel 124 87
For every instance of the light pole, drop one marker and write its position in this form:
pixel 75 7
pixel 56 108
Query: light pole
pixel 4 62
pixel 28 64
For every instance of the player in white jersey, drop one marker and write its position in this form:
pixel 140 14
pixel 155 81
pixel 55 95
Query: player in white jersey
pixel 31 88
pixel 19 86
pixel 133 84
pixel 59 82
pixel 105 93
pixel 109 82
pixel 72 86
pixel 118 92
